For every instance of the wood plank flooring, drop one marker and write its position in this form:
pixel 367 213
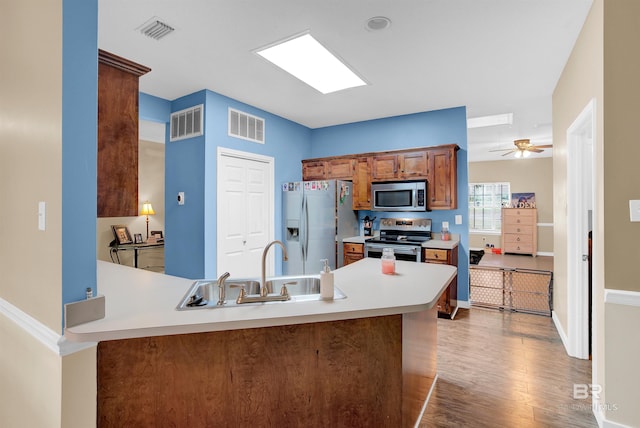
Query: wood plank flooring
pixel 500 369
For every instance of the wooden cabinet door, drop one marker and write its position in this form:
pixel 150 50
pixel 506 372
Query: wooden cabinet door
pixel 442 186
pixel 362 184
pixel 447 301
pixel 313 170
pixel 414 165
pixel 118 146
pixel 339 168
pixel 353 252
pixel 384 167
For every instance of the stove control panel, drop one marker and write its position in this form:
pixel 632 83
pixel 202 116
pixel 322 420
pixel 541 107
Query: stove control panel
pixel 417 224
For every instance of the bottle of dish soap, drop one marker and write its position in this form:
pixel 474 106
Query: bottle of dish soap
pixel 326 281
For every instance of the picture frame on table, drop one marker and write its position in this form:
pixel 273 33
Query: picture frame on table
pixel 157 234
pixel 137 238
pixel 121 234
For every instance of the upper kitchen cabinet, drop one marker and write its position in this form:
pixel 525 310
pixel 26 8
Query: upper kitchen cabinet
pixel 313 170
pixel 443 178
pixel 118 135
pixel 438 165
pixel 339 168
pixel 400 166
pixel 362 183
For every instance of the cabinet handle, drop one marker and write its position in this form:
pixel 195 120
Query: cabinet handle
pixel 518 239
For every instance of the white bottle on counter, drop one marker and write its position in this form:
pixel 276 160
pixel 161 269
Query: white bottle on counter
pixel 326 281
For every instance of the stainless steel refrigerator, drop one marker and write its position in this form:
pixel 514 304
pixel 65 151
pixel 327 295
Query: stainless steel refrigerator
pixel 317 216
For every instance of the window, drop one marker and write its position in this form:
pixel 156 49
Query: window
pixel 485 205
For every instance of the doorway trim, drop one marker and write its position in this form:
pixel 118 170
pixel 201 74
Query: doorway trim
pixel 270 161
pixel 581 140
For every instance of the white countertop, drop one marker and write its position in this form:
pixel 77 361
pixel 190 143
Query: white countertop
pixel 432 243
pixel 141 303
pixel 360 239
pixel 439 244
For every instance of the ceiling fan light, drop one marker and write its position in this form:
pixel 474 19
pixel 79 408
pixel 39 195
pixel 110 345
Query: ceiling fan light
pixel 518 154
pixel 526 153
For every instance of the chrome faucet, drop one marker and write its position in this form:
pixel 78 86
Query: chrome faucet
pixel 221 290
pixel 263 278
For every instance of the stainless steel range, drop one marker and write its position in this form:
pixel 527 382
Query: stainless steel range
pixel 404 235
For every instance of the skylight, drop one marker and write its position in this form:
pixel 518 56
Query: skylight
pixel 305 58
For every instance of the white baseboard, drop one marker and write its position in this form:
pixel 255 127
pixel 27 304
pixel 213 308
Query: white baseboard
pixel 464 304
pixel 424 405
pixel 561 332
pixel 43 334
pixel 544 253
pixel 603 422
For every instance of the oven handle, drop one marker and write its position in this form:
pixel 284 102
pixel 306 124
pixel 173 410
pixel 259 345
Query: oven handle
pixel 377 248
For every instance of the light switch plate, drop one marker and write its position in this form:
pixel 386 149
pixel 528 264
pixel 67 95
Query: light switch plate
pixel 42 215
pixel 634 210
pixel 458 219
pixel 180 198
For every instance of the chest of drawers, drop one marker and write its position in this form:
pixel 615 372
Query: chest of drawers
pixel 519 231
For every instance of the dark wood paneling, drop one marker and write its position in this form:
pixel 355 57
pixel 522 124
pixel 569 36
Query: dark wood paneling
pixel 338 374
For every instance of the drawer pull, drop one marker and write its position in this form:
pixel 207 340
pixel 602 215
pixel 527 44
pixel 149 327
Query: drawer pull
pixel 518 239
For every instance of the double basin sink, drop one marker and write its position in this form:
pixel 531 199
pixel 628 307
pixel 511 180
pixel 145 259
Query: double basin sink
pixel 204 294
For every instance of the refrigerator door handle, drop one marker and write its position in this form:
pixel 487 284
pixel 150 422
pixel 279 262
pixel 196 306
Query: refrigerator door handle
pixel 305 214
pixel 303 230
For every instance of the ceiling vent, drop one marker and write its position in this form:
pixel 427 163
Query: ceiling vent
pixel 246 126
pixel 186 123
pixel 155 28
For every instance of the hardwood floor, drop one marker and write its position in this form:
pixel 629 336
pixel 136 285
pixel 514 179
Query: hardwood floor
pixel 500 369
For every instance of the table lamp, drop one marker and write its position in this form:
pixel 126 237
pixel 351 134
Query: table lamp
pixel 147 210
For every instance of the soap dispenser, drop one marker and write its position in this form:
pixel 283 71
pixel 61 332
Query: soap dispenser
pixel 326 281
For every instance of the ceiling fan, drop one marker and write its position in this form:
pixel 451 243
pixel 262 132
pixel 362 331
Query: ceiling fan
pixel 524 148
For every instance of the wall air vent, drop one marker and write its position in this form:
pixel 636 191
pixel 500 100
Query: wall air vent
pixel 155 28
pixel 186 123
pixel 246 126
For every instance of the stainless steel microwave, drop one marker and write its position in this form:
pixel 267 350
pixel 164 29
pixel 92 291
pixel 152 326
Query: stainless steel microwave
pixel 399 196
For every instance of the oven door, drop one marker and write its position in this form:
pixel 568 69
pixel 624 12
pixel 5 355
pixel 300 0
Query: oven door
pixel 409 253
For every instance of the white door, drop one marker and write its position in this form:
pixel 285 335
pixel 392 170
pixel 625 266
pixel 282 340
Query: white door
pixel 245 212
pixel 580 218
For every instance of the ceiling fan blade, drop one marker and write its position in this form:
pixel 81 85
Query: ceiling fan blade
pixel 535 150
pixel 509 152
pixel 544 146
pixel 502 150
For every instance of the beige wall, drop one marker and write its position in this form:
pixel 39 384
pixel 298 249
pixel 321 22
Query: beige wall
pixel 151 188
pixel 31 373
pixel 31 158
pixel 525 175
pixel 604 66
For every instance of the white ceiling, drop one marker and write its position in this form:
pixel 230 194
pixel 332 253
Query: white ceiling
pixel 492 56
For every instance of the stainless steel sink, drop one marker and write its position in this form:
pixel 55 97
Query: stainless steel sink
pixel 302 288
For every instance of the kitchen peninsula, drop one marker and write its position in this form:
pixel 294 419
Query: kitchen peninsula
pixel 367 360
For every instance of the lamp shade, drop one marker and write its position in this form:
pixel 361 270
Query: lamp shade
pixel 147 209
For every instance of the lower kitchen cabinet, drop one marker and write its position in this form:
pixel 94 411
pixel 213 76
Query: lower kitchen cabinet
pixel 448 301
pixel 353 252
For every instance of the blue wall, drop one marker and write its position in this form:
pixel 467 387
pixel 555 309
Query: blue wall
pixel 190 243
pixel 426 129
pixel 79 147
